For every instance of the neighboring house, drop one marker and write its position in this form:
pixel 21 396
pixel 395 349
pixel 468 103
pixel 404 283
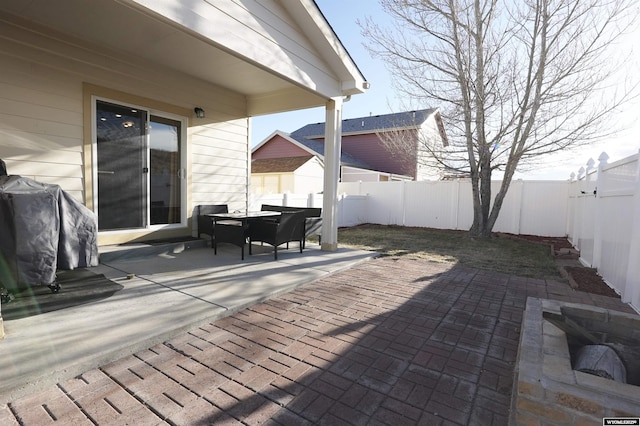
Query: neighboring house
pixel 302 175
pixel 364 156
pixel 140 108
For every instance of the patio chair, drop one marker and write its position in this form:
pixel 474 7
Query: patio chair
pixel 275 233
pixel 221 231
pixel 205 223
pixel 229 231
pixel 312 224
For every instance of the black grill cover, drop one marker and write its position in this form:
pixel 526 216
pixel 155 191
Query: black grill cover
pixel 42 228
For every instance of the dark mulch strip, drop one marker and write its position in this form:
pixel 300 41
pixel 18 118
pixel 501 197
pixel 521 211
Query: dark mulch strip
pixel 583 278
pixel 557 242
pixel 588 280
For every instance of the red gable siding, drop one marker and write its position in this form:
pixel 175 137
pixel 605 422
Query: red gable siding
pixel 371 150
pixel 278 147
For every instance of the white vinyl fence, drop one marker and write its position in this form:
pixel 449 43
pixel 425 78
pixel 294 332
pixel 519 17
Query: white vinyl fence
pixel 530 207
pixel 349 207
pixel 604 222
pixel 599 211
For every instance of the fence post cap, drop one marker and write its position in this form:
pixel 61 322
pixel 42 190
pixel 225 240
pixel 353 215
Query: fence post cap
pixel 603 158
pixel 590 163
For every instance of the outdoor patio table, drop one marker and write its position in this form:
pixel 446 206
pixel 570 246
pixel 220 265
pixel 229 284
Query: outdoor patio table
pixel 244 216
pixel 232 227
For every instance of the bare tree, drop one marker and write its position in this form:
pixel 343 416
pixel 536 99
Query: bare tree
pixel 514 80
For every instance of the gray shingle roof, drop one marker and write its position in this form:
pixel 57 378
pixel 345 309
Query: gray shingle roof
pixel 368 124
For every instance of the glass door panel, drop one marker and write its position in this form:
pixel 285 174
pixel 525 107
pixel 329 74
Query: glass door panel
pixel 165 180
pixel 122 170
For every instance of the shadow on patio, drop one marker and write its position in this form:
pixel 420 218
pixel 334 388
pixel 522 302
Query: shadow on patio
pixel 160 297
pixel 385 342
pixel 382 343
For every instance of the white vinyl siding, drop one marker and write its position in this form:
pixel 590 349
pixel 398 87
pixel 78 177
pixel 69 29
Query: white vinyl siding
pixel 428 131
pixel 309 178
pixel 271 183
pixel 220 163
pixel 41 123
pixel 43 114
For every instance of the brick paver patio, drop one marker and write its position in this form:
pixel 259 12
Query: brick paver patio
pixel 390 341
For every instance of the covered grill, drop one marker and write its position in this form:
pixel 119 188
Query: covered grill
pixel 42 229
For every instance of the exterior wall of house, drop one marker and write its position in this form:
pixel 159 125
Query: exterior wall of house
pixel 309 178
pixel 46 84
pixel 272 183
pixel 370 149
pixel 352 174
pixel 278 147
pixel 257 183
pixel 219 155
pixel 40 122
pixel 430 134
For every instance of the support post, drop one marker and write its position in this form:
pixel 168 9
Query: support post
pixel 332 148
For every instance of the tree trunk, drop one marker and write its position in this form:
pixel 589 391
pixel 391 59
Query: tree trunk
pixel 482 223
pixel 488 214
pixel 477 210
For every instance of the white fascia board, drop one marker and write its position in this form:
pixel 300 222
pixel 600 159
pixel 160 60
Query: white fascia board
pixel 434 121
pixel 326 40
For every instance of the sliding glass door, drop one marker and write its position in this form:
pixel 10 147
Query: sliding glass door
pixel 139 168
pixel 165 176
pixel 122 167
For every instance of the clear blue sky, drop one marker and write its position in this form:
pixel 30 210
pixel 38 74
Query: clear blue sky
pixel 381 99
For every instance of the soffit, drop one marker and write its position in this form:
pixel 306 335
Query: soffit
pixel 120 27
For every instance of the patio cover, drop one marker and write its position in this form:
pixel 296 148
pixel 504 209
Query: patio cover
pixel 268 57
pixel 43 229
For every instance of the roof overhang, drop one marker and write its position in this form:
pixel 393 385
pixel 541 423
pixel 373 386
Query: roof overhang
pixel 280 57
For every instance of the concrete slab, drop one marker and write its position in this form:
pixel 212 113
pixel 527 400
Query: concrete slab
pixel 163 295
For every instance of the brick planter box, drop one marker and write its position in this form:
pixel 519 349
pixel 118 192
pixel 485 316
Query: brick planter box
pixel 547 391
